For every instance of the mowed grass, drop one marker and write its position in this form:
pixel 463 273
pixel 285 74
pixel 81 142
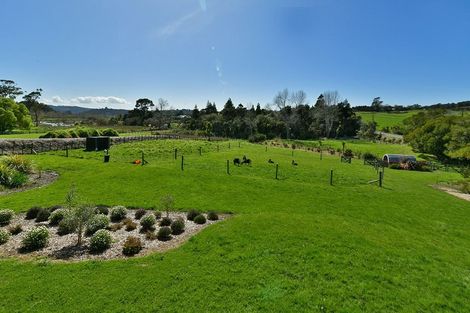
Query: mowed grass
pixel 384 119
pixel 294 244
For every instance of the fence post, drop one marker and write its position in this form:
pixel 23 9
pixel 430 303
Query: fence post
pixel 229 145
pixel 292 153
pixel 266 149
pixel 182 162
pixel 200 150
pixel 176 153
pixel 321 154
pixel 143 159
pixel 217 147
pixel 66 151
pixel 331 177
pixel 228 167
pixel 239 144
pixel 277 169
pixel 380 178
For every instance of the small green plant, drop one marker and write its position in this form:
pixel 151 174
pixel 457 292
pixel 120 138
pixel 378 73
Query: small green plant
pixel 66 226
pixel 167 203
pixel 18 163
pixel 5 217
pixel 56 217
pixel 177 226
pixel 164 233
pixel 32 213
pixel 158 214
pixel 150 235
pixel 200 219
pixel 118 213
pixel 132 246
pixel 148 222
pixel 36 238
pixel 43 215
pixel 4 236
pixel 102 209
pixel 165 221
pixel 140 213
pixel 192 214
pixel 15 229
pixel 212 216
pixel 97 222
pixel 130 225
pixel 100 241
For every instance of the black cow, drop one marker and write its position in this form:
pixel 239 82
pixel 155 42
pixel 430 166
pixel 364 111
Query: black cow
pixel 294 163
pixel 270 161
pixel 236 162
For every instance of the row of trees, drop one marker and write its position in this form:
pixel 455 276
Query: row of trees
pixel 144 114
pixel 18 114
pixel 292 117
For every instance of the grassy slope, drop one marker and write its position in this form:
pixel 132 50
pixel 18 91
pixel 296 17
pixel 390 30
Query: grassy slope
pixel 295 244
pixel 385 119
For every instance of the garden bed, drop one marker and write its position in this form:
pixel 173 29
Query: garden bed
pixel 63 247
pixel 35 180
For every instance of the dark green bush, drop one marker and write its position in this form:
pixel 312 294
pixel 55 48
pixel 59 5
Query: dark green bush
pixel 164 233
pixel 212 216
pixel 109 132
pixel 4 236
pixel 118 213
pixel 43 215
pixel 158 214
pixel 257 138
pixel 369 156
pixel 139 213
pixel 6 216
pixel 192 214
pixel 97 222
pixel 132 246
pixel 148 222
pixel 177 226
pixel 66 226
pixel 36 238
pixel 15 229
pixel 54 208
pixel 100 241
pixel 102 209
pixel 56 217
pixel 50 134
pixel 200 219
pixel 32 213
pixel 166 221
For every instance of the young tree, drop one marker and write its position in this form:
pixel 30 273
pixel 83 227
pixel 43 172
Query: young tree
pixel 13 115
pixel 8 89
pixel 78 214
pixel 167 203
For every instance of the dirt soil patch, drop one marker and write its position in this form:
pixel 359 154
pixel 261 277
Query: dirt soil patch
pixel 65 248
pixel 35 180
pixel 454 192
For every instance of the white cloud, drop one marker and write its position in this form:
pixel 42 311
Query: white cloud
pixel 98 100
pixel 57 99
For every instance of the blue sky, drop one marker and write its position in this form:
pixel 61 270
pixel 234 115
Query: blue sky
pixel 98 53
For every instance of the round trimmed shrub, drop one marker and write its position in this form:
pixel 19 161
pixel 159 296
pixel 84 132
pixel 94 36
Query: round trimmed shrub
pixel 192 214
pixel 130 224
pixel 166 221
pixel 5 217
pixel 164 233
pixel 43 215
pixel 100 241
pixel 212 216
pixel 15 229
pixel 118 213
pixel 36 238
pixel 140 213
pixel 32 213
pixel 158 214
pixel 4 236
pixel 56 217
pixel 102 209
pixel 148 221
pixel 132 246
pixel 109 132
pixel 66 226
pixel 177 226
pixel 96 223
pixel 200 219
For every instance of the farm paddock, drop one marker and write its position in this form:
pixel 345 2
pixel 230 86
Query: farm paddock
pixel 293 244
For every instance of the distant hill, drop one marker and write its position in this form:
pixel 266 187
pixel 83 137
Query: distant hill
pixel 76 110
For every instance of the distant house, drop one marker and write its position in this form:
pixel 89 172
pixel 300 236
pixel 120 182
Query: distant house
pixel 398 158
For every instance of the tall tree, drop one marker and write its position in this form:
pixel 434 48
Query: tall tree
pixel 31 101
pixel 298 98
pixel 8 89
pixel 228 112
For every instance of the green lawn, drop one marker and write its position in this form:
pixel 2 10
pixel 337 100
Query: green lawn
pixel 295 244
pixel 384 119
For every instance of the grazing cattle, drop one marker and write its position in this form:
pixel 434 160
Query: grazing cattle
pixel 246 160
pixel 270 161
pixel 294 163
pixel 236 161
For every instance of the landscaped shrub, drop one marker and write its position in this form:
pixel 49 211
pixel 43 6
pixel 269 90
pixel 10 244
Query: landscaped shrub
pixel 118 213
pixel 158 214
pixel 139 213
pixel 100 241
pixel 72 133
pixel 36 238
pixel 109 132
pixel 164 233
pixel 18 163
pixel 62 134
pixel 177 226
pixel 4 236
pixel 97 222
pixel 166 221
pixel 212 216
pixel 11 178
pixel 257 138
pixel 5 217
pixel 15 229
pixel 95 132
pixel 148 222
pixel 369 156
pixel 132 246
pixel 150 235
pixel 54 208
pixel 32 213
pixel 102 209
pixel 192 214
pixel 66 226
pixel 200 219
pixel 348 153
pixel 50 134
pixel 115 227
pixel 43 215
pixel 130 225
